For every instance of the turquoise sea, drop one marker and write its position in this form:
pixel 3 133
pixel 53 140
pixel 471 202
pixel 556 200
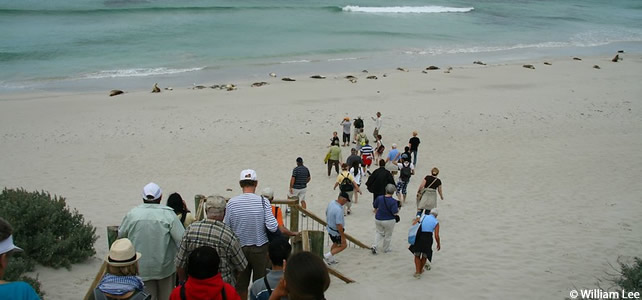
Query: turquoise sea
pixel 105 44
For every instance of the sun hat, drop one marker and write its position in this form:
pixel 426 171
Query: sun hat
pixel 152 191
pixel 7 246
pixel 122 253
pixel 248 174
pixel 267 193
pixel 347 118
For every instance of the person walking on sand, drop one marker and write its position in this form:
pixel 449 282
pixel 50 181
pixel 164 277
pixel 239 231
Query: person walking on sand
pixel 278 213
pixel 427 193
pixel 414 146
pixel 336 227
pixel 367 156
pixel 334 139
pixel 249 215
pixel 358 128
pixel 379 148
pixel 378 180
pixel 346 131
pixel 333 158
pixel 422 249
pixel 386 216
pixel 357 173
pixel 156 232
pixel 406 170
pixel 354 157
pixel 378 123
pixel 299 181
pixel 346 184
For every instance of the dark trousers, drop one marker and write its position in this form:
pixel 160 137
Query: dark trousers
pixel 336 166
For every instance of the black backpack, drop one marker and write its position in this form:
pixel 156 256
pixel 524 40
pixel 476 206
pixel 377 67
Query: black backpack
pixel 405 172
pixel 346 184
pixel 358 123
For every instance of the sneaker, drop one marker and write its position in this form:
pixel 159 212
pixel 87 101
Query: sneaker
pixel 417 275
pixel 374 250
pixel 427 266
pixel 287 210
pixel 349 211
pixel 303 215
pixel 330 262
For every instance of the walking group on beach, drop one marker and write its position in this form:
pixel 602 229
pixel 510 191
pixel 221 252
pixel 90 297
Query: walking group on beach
pixel 241 247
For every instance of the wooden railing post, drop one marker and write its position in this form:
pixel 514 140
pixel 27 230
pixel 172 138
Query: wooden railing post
pixel 198 215
pixel 294 214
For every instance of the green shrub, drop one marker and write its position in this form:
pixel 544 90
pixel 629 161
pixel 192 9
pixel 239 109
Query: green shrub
pixel 630 276
pixel 46 229
pixel 17 267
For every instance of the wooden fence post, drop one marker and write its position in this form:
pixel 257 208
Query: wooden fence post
pixel 294 214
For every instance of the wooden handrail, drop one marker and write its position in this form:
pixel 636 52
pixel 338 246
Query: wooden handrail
pixel 324 223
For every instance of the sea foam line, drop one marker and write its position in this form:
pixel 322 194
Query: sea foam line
pixel 407 9
pixel 137 72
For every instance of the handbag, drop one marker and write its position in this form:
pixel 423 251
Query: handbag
pixel 271 235
pixel 414 231
pixel 327 157
pixel 427 201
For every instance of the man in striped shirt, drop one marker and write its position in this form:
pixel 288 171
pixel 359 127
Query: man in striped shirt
pixel 249 215
pixel 214 233
pixel 366 156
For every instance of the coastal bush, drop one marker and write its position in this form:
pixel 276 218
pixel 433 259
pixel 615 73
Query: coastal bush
pixel 46 229
pixel 629 278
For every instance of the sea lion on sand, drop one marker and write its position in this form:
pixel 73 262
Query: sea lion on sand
pixel 350 77
pixel 288 79
pixel 616 58
pixel 432 68
pixel 353 80
pixel 169 88
pixel 479 63
pixel 259 84
pixel 115 92
pixel 198 87
pixel 372 77
pixel 156 89
pixel 230 87
pixel 529 67
pixel 620 51
pixel 447 71
pixel 317 77
pixel 402 69
pixel 596 67
pixel 576 58
pixel 364 71
pixel 548 63
pixel 424 71
pixel 272 74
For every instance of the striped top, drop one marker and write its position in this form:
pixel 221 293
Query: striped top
pixel 248 215
pixel 301 175
pixel 366 150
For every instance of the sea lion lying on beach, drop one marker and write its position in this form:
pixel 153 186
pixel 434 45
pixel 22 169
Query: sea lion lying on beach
pixel 115 92
pixel 317 77
pixel 576 58
pixel 478 62
pixel 402 69
pixel 353 80
pixel 432 68
pixel 548 63
pixel 372 77
pixel 596 67
pixel 259 84
pixel 288 79
pixel 616 58
pixel 156 89
pixel 272 74
pixel 350 77
pixel 529 67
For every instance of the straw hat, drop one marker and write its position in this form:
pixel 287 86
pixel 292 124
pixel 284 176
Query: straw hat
pixel 122 253
pixel 347 118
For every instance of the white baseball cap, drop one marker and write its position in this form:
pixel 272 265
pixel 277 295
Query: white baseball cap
pixel 248 174
pixel 8 246
pixel 152 191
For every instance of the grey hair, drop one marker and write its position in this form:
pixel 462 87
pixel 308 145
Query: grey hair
pixel 211 211
pixel 434 212
pixel 390 189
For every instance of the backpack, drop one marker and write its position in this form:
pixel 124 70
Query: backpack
pixel 346 184
pixel 381 149
pixel 358 123
pixel 405 172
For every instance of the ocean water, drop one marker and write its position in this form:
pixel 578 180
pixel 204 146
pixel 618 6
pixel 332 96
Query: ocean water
pixel 91 44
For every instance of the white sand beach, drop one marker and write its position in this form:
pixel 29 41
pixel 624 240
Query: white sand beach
pixel 541 168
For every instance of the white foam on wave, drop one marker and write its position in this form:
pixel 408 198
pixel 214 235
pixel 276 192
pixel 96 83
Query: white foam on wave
pixel 407 9
pixel 137 72
pixel 342 59
pixel 296 61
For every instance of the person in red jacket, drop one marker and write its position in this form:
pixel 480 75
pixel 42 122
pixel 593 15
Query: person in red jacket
pixel 204 281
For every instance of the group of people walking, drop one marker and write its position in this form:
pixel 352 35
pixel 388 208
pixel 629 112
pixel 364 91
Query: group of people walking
pixel 392 177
